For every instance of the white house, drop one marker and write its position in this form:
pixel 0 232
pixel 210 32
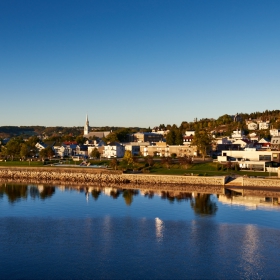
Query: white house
pixel 190 133
pixel 113 150
pixel 237 134
pixel 252 126
pixel 243 143
pixel 274 132
pixel 263 125
pixel 40 146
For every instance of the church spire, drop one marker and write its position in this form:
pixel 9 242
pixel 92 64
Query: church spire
pixel 86 127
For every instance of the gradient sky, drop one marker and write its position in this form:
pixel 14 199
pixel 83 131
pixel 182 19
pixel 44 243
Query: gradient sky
pixel 136 63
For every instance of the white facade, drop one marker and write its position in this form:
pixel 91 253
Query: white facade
pixel 190 133
pixel 251 154
pixel 252 126
pixel 242 143
pixel 263 125
pixel 274 132
pixel 60 151
pixel 237 134
pixel 113 151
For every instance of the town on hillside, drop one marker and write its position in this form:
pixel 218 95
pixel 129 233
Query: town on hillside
pixel 249 141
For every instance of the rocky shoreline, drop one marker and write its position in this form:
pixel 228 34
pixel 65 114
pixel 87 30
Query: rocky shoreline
pixel 89 176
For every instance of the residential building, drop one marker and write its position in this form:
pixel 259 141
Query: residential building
pixel 252 126
pixel 163 150
pixel 189 133
pixel 254 137
pixel 275 143
pixel 145 137
pixel 81 150
pixel 134 147
pixel 113 150
pixel 99 145
pixel 263 125
pixel 237 134
pixel 274 132
pixel 187 140
pixel 263 144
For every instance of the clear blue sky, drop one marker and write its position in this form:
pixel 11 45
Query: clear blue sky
pixel 136 63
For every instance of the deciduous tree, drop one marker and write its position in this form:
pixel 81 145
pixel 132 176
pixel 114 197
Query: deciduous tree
pixel 202 140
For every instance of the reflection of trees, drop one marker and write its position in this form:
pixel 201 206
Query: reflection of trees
pixel 128 196
pixel 14 192
pixel 1 191
pixel 203 205
pixel 95 194
pixel 115 193
pixel 17 192
pixel 171 197
pixel 33 191
pixel 149 194
pixel 47 192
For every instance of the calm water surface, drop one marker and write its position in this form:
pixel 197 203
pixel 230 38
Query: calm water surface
pixel 62 232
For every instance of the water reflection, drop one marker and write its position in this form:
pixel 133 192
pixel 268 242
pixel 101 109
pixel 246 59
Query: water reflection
pixel 17 192
pixel 203 205
pixel 159 229
pixel 252 200
pixel 128 196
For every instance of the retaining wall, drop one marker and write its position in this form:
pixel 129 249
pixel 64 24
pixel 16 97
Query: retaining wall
pixel 89 175
pixel 258 182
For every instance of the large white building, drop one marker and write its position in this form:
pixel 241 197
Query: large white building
pixel 114 150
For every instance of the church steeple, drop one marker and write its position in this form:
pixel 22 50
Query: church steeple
pixel 86 127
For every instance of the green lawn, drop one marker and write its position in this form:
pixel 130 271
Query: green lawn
pixel 201 169
pixel 204 169
pixel 21 163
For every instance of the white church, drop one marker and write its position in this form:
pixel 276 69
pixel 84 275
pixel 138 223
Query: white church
pixel 88 133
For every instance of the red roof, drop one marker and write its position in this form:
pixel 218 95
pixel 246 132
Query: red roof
pixel 70 143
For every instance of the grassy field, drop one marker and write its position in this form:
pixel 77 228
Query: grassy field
pixel 22 163
pixel 204 169
pixel 201 169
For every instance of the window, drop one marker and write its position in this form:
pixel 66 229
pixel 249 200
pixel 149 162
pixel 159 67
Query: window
pixel 265 157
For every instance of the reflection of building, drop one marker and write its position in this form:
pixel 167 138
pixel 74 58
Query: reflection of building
pixel 253 202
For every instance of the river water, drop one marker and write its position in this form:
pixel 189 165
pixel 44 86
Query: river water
pixel 67 232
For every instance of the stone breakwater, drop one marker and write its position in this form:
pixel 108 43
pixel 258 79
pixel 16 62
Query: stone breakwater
pixel 90 175
pixel 258 182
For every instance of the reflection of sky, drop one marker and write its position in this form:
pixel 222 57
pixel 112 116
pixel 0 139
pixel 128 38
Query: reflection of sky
pixel 126 247
pixel 73 204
